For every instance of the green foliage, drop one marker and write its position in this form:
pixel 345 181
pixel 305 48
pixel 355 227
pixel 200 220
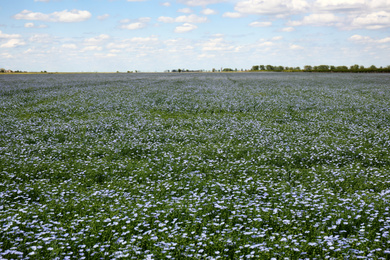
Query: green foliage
pixel 195 166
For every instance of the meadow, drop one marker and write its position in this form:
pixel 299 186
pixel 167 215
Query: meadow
pixel 195 166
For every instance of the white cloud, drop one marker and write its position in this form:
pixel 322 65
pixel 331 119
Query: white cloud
pixel 260 24
pixel 232 15
pixel 217 44
pixel 133 26
pixel 266 44
pixel 201 2
pixel 42 1
pixel 144 39
pixel 366 39
pixel 103 17
pixel 97 39
pixel 185 10
pixel 166 19
pixel 131 43
pixel 6 55
pixel 288 29
pixel 92 48
pixel 12 40
pixel 13 43
pixel 32 25
pixel 326 19
pixel 69 46
pixel 8 36
pixel 167 4
pixel 208 11
pixel 135 0
pixel 376 20
pixel 206 56
pixel 41 38
pixel 193 18
pixel 187 27
pixel 296 47
pixel 339 5
pixel 274 7
pixel 62 16
pixel 137 24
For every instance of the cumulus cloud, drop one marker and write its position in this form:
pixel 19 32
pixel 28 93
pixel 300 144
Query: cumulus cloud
pixel 129 43
pixel 9 36
pixel 92 48
pixel 339 5
pixel 103 17
pixel 296 47
pixel 185 10
pixel 13 43
pixel 216 44
pixel 232 15
pixel 97 39
pixel 325 19
pixel 275 7
pixel 208 11
pixel 376 20
pixel 135 24
pixel 11 40
pixel 187 27
pixel 288 29
pixel 201 2
pixel 260 24
pixel 366 39
pixel 62 16
pixel 193 18
pixel 167 4
pixel 41 38
pixel 69 46
pixel 32 25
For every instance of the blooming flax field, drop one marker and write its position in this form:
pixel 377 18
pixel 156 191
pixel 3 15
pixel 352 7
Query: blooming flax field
pixel 195 166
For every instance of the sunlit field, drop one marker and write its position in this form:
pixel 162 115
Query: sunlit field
pixel 195 166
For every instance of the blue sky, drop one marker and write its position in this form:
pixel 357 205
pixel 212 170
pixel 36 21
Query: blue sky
pixel 154 35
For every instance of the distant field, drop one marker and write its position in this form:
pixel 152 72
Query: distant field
pixel 195 166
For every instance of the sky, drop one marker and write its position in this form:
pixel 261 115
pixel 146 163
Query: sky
pixel 159 35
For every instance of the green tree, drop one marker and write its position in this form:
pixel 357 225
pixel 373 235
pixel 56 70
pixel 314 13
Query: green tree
pixel 255 67
pixel 262 67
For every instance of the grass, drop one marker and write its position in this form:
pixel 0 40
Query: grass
pixel 194 166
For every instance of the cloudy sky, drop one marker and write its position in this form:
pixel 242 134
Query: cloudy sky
pixel 157 35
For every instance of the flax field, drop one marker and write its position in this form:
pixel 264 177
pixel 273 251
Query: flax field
pixel 195 166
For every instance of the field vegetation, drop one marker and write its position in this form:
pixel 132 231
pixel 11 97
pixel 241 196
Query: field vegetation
pixel 195 166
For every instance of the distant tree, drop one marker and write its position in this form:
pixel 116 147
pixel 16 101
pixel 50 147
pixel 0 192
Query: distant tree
pixel 372 67
pixel 2 70
pixel 322 68
pixel 270 67
pixel 227 69
pixel 342 69
pixel 255 67
pixel 262 67
pixel 278 68
pixel 354 68
pixel 308 68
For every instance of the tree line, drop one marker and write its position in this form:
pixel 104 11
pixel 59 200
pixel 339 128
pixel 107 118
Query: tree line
pixel 323 68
